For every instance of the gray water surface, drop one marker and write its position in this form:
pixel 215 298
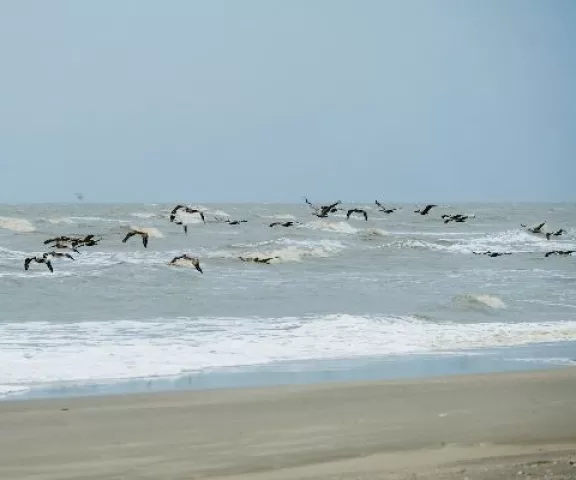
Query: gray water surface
pixel 396 284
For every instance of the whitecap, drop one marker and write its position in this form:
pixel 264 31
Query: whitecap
pixel 339 227
pixel 19 225
pixel 103 350
pixel 482 300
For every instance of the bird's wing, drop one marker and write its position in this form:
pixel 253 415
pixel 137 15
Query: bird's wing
pixel 145 239
pixel 311 204
pixel 539 227
pixel 365 215
pixel 49 265
pixel 173 212
pixel 27 263
pixel 176 208
pixel 128 235
pixel 175 259
pixel 50 240
pixel 67 255
pixel 348 213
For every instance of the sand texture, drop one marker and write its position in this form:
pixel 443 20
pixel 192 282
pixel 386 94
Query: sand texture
pixel 500 426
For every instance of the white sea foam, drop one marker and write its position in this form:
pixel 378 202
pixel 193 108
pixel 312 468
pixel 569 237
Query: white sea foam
pixel 57 221
pixel 513 241
pixel 549 361
pixel 286 249
pixel 96 351
pixel 7 254
pixel 19 225
pixel 146 215
pixel 218 213
pixel 371 233
pixel 89 220
pixel 329 226
pixel 516 241
pixel 280 216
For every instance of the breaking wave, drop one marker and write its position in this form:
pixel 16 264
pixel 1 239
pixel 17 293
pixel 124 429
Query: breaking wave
pixel 280 216
pixel 479 300
pixel 104 350
pixel 513 241
pixel 339 227
pixel 19 225
pixel 146 215
pixel 287 250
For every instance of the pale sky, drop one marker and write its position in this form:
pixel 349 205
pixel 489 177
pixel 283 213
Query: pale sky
pixel 262 100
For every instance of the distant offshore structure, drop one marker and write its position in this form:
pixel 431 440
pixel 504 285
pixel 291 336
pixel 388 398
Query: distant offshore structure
pixel 79 196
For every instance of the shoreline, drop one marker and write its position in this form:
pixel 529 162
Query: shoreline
pixel 305 372
pixel 487 425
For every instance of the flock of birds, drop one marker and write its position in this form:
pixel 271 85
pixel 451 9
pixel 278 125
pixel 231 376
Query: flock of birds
pixel 72 243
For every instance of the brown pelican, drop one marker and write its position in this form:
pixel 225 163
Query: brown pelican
pixel 356 210
pixel 556 233
pixel 187 210
pixel 383 209
pixel 537 229
pixel 61 239
pixel 492 254
pixel 187 259
pixel 266 260
pixel 560 252
pixel 42 259
pixel 282 224
pixel 425 210
pixel 459 218
pixel 132 232
pixel 323 210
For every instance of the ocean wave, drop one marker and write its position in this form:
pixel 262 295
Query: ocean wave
pixel 146 215
pixel 58 221
pixel 512 241
pixel 280 216
pixel 97 351
pixel 19 225
pixel 372 233
pixel 328 226
pixel 479 300
pixel 7 254
pixel 218 213
pixel 89 220
pixel 515 241
pixel 285 249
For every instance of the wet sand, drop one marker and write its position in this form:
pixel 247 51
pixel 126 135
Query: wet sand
pixel 496 426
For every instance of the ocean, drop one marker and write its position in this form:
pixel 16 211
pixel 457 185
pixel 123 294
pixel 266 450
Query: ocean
pixel 399 289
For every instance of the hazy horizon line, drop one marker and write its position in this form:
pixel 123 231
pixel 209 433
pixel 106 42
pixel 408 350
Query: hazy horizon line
pixel 388 202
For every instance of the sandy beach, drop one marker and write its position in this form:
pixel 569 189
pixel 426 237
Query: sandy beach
pixel 477 427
